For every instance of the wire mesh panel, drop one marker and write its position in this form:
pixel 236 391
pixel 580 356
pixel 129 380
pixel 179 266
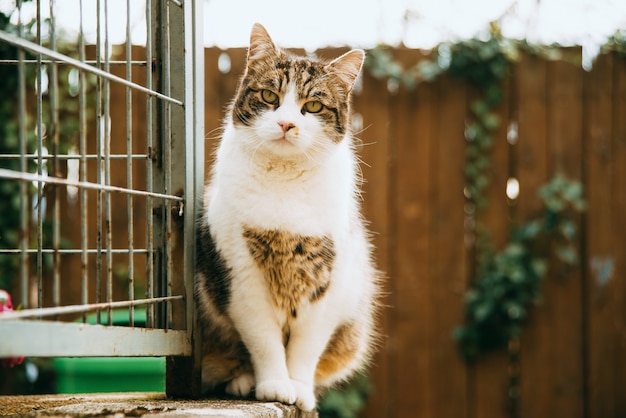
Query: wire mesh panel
pixel 99 171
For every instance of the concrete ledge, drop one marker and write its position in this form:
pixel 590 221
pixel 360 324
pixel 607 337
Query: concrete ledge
pixel 152 405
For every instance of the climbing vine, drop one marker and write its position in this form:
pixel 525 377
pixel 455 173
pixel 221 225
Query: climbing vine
pixel 509 283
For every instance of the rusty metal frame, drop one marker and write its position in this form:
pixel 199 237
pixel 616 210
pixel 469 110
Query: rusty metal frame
pixel 174 165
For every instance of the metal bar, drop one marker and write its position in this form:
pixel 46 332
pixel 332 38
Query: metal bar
pixel 107 167
pixel 112 62
pixel 194 176
pixel 149 186
pixel 129 168
pixel 38 49
pixel 72 309
pixel 17 175
pixel 24 202
pixel 167 163
pixel 62 339
pixel 194 150
pixel 67 157
pixel 99 176
pixel 53 94
pixel 194 121
pixel 69 251
pixel 40 196
pixel 84 260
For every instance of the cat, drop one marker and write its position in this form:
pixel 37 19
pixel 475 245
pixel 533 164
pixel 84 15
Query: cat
pixel 286 285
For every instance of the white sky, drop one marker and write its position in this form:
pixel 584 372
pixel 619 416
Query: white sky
pixel 366 23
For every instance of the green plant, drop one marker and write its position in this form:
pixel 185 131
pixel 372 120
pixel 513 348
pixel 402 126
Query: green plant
pixel 510 282
pixel 346 401
pixel 484 64
pixel 9 191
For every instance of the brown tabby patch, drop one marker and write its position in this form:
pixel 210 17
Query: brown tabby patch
pixel 313 81
pixel 341 349
pixel 224 355
pixel 296 267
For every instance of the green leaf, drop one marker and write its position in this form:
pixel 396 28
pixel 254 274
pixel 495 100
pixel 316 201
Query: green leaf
pixel 483 311
pixel 539 267
pixel 480 108
pixel 491 121
pixel 568 229
pixel 567 255
pixel 530 230
pixel 515 310
pixel 428 70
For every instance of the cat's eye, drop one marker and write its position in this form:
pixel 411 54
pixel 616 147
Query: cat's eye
pixel 269 97
pixel 313 106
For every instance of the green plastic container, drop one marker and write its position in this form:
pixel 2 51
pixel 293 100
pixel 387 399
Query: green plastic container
pixel 111 374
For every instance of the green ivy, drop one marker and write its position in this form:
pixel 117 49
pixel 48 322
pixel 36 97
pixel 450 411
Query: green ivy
pixel 617 43
pixel 9 144
pixel 347 401
pixel 510 282
pixel 484 65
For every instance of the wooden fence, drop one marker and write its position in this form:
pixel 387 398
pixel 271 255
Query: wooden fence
pixel 573 351
pixel 568 121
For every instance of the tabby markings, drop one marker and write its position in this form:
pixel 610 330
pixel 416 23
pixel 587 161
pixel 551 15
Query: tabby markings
pixel 296 267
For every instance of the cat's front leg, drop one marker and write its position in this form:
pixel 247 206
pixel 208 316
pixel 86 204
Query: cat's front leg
pixel 308 339
pixel 256 321
pixel 268 359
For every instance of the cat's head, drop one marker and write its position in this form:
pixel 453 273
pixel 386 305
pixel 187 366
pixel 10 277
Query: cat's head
pixel 290 105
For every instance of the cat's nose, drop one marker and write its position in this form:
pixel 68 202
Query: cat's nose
pixel 286 126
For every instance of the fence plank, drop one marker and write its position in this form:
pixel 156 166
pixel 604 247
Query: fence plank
pixel 605 215
pixel 370 106
pixel 447 263
pixel 617 333
pixel 220 86
pixel 414 130
pixel 552 349
pixel 563 289
pixel 599 246
pixel 532 172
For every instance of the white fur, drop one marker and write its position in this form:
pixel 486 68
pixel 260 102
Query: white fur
pixel 304 183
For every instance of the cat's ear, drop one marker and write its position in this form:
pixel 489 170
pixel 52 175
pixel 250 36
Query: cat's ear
pixel 348 66
pixel 261 45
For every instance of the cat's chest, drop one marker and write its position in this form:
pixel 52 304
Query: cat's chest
pixel 308 210
pixel 313 205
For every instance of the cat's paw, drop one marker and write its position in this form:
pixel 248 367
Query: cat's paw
pixel 276 390
pixel 241 385
pixel 305 395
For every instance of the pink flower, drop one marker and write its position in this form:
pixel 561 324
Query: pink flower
pixel 5 301
pixel 5 306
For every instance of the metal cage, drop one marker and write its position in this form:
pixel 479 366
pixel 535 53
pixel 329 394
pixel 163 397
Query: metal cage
pixel 89 225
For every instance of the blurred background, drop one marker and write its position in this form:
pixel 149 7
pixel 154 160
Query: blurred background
pixel 493 141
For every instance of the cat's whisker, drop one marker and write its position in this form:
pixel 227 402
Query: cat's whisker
pixel 360 131
pixel 214 134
